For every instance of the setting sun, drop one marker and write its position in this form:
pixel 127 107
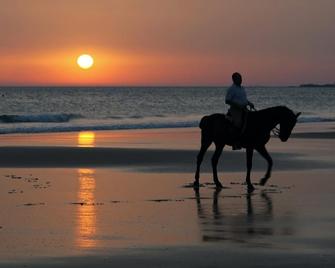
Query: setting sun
pixel 85 61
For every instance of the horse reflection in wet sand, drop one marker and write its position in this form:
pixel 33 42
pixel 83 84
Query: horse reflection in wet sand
pixel 237 219
pixel 217 128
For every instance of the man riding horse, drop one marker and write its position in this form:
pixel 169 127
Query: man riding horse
pixel 236 97
pixel 252 134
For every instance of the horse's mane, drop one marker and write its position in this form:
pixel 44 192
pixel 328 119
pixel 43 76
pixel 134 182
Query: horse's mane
pixel 276 108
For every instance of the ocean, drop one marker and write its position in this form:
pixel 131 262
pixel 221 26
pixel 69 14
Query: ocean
pixel 60 109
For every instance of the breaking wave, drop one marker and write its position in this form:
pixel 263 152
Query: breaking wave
pixel 39 118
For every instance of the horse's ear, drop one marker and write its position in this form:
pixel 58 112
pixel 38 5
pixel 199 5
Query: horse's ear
pixel 297 115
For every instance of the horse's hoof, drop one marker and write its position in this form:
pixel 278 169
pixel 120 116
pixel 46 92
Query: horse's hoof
pixel 218 185
pixel 196 185
pixel 263 181
pixel 251 188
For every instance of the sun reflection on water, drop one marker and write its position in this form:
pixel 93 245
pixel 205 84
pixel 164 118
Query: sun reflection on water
pixel 86 213
pixel 86 139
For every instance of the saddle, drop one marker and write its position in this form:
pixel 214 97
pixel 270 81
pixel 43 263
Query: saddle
pixel 237 132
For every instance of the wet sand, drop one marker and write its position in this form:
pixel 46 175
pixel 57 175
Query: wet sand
pixel 108 203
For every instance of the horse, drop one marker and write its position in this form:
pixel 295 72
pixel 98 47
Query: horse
pixel 218 128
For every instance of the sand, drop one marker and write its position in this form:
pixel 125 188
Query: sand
pixel 123 199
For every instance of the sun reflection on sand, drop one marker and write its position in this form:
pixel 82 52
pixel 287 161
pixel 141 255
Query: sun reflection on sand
pixel 86 213
pixel 86 139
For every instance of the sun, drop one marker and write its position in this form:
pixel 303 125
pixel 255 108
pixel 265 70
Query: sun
pixel 85 61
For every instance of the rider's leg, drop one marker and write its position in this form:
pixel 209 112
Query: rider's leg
pixel 237 116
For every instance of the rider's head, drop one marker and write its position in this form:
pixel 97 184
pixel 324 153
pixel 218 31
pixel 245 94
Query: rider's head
pixel 237 78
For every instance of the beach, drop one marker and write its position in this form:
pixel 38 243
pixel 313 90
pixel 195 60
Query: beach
pixel 124 198
pixel 102 108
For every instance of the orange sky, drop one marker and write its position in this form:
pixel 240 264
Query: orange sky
pixel 167 42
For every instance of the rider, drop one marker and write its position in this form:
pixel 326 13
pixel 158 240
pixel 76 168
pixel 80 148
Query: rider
pixel 236 97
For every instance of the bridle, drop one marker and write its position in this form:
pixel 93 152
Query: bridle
pixel 276 131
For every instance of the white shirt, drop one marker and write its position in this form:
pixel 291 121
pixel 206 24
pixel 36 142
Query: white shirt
pixel 237 95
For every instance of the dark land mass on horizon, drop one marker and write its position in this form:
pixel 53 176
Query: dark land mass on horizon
pixel 317 85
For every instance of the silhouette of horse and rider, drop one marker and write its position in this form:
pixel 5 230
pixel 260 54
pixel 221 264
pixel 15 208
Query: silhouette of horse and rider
pixel 242 127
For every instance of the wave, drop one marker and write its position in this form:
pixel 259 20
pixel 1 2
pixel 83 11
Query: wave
pixel 315 119
pixel 59 128
pixel 132 116
pixel 37 118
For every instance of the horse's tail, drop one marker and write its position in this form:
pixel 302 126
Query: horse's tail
pixel 203 122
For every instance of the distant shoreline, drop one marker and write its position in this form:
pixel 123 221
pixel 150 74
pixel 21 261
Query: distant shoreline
pixel 317 85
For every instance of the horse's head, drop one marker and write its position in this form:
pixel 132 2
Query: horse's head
pixel 287 123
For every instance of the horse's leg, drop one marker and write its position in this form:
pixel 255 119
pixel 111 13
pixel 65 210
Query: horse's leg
pixel 263 152
pixel 250 152
pixel 215 160
pixel 205 143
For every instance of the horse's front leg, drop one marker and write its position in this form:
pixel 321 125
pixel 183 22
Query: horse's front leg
pixel 250 152
pixel 215 160
pixel 263 152
pixel 204 146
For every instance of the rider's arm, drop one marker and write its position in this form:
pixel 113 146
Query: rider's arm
pixel 235 104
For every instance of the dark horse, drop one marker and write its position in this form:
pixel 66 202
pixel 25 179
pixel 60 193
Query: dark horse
pixel 218 129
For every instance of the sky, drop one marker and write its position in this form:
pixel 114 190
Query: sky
pixel 167 42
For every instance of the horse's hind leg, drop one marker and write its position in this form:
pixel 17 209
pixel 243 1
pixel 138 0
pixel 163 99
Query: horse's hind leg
pixel 205 143
pixel 215 160
pixel 263 152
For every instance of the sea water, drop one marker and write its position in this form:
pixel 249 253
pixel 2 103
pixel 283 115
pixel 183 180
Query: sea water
pixel 58 109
